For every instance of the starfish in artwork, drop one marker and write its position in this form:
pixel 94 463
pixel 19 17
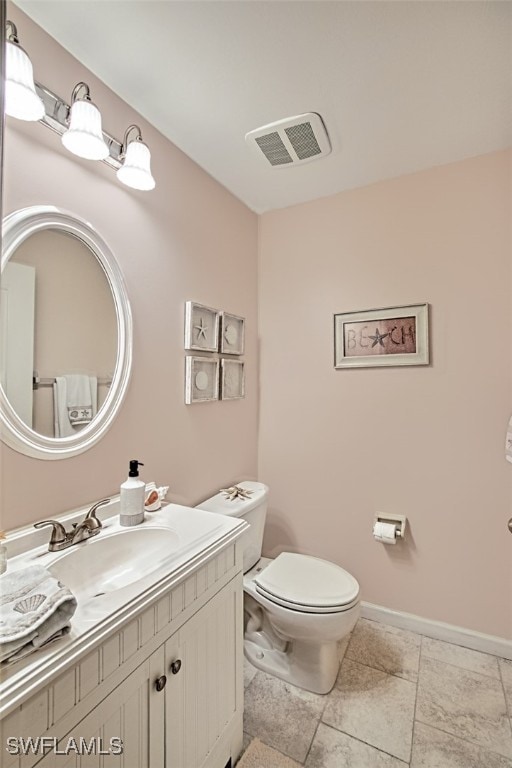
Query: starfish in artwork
pixel 201 329
pixel 378 338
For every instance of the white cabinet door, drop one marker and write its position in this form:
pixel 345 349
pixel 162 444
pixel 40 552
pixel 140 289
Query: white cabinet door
pixel 133 713
pixel 204 693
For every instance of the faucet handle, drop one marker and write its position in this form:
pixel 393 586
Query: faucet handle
pixel 91 515
pixel 58 533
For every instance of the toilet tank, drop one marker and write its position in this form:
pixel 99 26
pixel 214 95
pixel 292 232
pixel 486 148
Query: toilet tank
pixel 254 512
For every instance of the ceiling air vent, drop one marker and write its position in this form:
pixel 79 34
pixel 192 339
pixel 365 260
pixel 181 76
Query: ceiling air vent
pixel 292 141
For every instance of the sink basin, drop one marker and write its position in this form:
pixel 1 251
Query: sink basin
pixel 105 564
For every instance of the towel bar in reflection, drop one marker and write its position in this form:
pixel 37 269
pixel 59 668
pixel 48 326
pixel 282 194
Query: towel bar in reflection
pixel 41 381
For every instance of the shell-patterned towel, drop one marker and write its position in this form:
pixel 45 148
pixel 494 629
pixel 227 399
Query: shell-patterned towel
pixel 508 442
pixel 35 609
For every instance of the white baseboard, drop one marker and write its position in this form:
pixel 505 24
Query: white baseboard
pixel 497 646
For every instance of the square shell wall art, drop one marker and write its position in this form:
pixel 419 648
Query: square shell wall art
pixel 232 379
pixel 201 379
pixel 201 327
pixel 232 334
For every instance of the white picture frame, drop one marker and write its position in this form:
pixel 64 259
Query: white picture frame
pixel 232 385
pixel 201 327
pixel 378 337
pixel 232 334
pixel 201 379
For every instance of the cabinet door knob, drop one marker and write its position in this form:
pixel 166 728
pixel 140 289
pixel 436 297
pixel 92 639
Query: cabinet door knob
pixel 160 683
pixel 176 666
pixel 510 525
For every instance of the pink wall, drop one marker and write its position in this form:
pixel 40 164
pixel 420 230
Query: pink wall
pixel 335 446
pixel 189 239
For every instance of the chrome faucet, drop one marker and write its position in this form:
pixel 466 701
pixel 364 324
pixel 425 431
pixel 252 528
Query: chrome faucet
pixel 61 539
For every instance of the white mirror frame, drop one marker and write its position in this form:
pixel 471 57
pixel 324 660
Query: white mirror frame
pixel 17 227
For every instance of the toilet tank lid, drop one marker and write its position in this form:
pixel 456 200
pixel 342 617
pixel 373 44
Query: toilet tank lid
pixel 239 506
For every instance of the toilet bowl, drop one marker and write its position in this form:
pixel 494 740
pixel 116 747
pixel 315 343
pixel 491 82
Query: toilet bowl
pixel 296 607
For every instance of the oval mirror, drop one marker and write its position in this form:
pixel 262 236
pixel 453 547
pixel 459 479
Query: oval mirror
pixel 66 334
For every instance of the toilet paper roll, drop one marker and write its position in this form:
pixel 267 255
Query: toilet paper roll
pixel 385 532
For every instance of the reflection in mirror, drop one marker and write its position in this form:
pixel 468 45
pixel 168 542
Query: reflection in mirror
pixel 63 289
pixel 66 334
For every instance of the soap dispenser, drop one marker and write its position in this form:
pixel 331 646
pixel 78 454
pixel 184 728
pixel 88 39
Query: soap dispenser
pixel 131 507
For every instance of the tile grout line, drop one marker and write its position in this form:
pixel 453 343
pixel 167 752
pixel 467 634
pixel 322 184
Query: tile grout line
pixel 366 743
pixel 508 708
pixel 327 700
pixel 322 713
pixel 466 741
pixel 383 671
pixel 466 669
pixel 276 749
pixel 414 721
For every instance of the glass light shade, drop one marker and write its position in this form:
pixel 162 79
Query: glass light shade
pixel 21 99
pixel 135 171
pixel 84 137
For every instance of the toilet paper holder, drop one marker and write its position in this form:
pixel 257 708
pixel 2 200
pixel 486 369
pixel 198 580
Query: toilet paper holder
pixel 399 520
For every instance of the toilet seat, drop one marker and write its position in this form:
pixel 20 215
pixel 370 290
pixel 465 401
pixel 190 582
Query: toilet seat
pixel 307 584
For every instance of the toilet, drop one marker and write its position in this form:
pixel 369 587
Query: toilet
pixel 296 607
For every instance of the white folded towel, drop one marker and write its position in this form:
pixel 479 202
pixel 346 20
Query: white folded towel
pixel 75 402
pixel 508 442
pixel 35 609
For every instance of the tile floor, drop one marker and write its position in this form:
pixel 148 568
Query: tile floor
pixel 400 700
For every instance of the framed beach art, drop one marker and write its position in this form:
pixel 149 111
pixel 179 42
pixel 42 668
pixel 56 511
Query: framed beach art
pixel 201 379
pixel 376 337
pixel 232 334
pixel 232 379
pixel 201 327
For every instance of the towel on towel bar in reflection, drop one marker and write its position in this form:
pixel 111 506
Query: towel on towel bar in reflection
pixel 75 402
pixel 35 610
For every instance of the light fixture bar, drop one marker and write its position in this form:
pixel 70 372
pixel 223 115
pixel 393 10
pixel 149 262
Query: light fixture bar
pixel 56 112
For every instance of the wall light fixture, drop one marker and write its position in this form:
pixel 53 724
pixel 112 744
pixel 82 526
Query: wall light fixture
pixel 84 136
pixel 135 171
pixel 78 123
pixel 21 99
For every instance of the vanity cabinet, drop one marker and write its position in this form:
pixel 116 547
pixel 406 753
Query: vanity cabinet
pixel 168 684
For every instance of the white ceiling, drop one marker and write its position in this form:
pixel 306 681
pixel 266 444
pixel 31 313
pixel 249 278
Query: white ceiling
pixel 401 86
